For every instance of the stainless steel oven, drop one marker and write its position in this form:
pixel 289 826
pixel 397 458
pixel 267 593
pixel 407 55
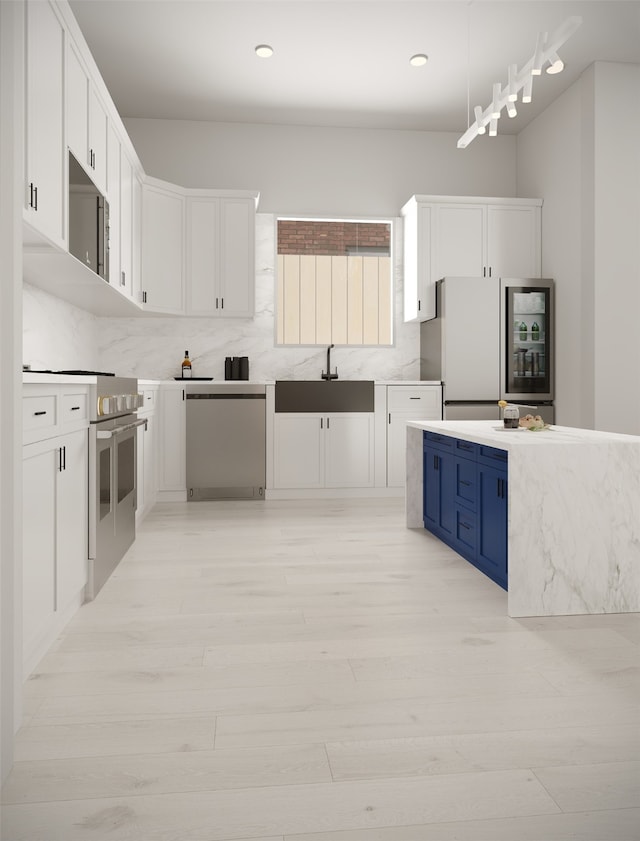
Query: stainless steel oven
pixel 112 476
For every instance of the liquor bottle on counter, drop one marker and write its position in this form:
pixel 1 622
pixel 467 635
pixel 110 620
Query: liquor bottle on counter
pixel 186 366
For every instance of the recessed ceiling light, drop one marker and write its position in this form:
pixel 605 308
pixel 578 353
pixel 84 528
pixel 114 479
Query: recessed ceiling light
pixel 264 51
pixel 418 60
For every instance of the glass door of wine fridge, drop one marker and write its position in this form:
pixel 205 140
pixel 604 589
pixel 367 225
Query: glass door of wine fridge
pixel 527 351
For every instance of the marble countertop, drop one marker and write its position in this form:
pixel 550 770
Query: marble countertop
pixel 29 377
pixel 495 435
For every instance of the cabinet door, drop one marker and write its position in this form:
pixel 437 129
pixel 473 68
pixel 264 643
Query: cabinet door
pixel 397 445
pixel 98 131
pixel 349 450
pixel 72 518
pixel 237 257
pixel 298 450
pixel 39 469
pixel 459 241
pixel 146 478
pixel 162 250
pixel 126 224
pixel 513 241
pixel 492 537
pixel 430 489
pixel 203 256
pixel 419 285
pixel 44 112
pixel 77 105
pixel 172 444
pixel 113 195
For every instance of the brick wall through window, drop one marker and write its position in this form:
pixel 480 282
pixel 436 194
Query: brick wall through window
pixel 300 236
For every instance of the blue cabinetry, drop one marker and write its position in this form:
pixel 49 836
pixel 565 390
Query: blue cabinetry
pixel 465 500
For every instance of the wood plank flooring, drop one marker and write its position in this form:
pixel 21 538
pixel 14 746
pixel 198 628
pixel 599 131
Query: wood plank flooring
pixel 314 671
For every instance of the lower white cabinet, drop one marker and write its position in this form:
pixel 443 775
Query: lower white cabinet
pixel 147 453
pixel 172 444
pixel 406 403
pixel 55 552
pixel 323 450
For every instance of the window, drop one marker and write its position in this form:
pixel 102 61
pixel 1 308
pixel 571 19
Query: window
pixel 334 282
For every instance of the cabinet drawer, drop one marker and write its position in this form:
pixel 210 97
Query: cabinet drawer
pixel 38 415
pixel 466 531
pixel 408 397
pixel 148 400
pixel 493 456
pixel 74 408
pixel 466 483
pixel 434 439
pixel 466 449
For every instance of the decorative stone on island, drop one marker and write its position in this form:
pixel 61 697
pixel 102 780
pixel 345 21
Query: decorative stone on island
pixel 573 514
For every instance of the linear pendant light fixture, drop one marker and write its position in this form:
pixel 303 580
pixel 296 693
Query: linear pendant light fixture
pixel 546 53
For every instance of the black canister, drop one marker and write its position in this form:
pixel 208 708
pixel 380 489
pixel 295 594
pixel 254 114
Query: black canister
pixel 244 367
pixel 227 368
pixel 235 367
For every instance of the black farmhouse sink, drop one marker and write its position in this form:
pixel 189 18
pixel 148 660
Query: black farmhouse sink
pixel 324 396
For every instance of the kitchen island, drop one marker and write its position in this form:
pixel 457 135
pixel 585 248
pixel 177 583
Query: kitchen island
pixel 573 521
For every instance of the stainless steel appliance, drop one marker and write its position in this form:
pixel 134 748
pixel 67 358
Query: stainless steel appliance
pixel 88 221
pixel 491 339
pixel 112 475
pixel 226 443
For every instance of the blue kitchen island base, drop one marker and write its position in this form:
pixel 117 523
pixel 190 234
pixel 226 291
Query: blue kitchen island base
pixel 570 500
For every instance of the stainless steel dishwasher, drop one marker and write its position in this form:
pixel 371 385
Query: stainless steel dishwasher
pixel 226 446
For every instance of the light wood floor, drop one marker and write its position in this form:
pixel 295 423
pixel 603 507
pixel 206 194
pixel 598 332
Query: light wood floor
pixel 313 671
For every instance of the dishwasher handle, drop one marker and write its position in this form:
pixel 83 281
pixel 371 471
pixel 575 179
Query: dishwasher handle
pixel 228 396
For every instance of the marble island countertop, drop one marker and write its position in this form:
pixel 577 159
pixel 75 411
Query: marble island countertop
pixel 573 540
pixel 494 434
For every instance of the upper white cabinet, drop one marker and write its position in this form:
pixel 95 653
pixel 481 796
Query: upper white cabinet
pixel 221 254
pixel 44 208
pixel 87 124
pixel 162 247
pixel 466 237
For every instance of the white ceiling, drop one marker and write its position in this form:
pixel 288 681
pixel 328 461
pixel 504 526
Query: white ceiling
pixel 340 63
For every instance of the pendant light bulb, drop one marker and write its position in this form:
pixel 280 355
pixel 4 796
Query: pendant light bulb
pixel 495 104
pixel 556 64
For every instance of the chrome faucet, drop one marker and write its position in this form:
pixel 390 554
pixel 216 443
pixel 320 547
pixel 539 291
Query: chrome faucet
pixel 328 375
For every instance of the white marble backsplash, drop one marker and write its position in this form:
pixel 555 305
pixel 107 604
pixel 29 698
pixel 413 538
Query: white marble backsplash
pixel 154 347
pixel 57 335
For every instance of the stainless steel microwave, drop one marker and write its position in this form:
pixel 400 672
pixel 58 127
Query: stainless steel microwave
pixel 88 221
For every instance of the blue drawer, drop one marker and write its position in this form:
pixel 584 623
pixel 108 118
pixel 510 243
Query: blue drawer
pixel 493 456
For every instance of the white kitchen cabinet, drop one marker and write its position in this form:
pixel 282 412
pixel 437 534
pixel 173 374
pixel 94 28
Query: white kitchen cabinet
pixel 449 236
pixel 114 152
pixel 163 211
pixel 220 255
pixel 86 120
pixel 419 301
pixel 405 403
pixel 55 552
pixel 172 444
pixel 147 453
pixel 313 451
pixel 44 167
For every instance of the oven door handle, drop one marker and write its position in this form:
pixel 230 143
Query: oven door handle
pixel 118 430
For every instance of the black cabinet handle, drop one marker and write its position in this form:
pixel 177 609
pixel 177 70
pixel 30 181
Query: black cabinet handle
pixel 462 482
pixel 327 423
pixel 221 303
pixel 415 398
pixel 464 525
pixel 75 408
pixel 35 193
pixel 123 278
pixel 59 459
pixel 321 423
pixel 39 413
pixel 436 463
pixel 64 458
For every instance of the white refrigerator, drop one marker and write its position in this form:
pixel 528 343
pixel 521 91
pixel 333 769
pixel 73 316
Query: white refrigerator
pixel 491 339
